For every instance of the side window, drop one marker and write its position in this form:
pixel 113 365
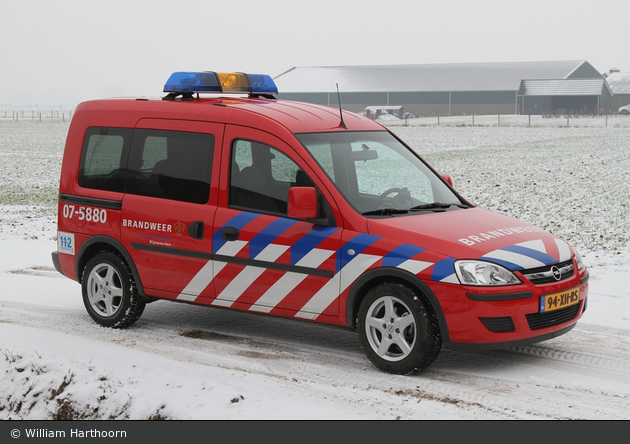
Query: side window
pixel 103 158
pixel 154 151
pixel 283 169
pixel 242 154
pixel 171 165
pixel 261 177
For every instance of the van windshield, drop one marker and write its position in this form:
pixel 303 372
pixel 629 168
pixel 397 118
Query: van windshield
pixel 377 174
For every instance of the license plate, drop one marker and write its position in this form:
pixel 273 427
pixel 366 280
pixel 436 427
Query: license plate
pixel 555 301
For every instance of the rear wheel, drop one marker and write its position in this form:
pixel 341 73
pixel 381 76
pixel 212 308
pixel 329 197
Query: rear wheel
pixel 397 330
pixel 109 292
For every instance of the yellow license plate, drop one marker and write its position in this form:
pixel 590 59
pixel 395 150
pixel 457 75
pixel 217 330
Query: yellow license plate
pixel 555 301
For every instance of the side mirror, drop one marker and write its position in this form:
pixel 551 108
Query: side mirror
pixel 447 178
pixel 302 203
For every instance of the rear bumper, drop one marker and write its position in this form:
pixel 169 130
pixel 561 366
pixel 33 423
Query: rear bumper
pixel 56 263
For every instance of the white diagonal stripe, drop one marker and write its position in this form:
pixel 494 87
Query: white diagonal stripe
pixel 355 268
pixel 271 252
pixel 414 266
pixel 231 248
pixel 329 292
pixel 247 276
pixel 451 279
pixel 564 250
pixel 204 276
pixel 515 258
pixel 314 258
pixel 320 300
pixel 198 283
pixel 536 244
pixel 279 290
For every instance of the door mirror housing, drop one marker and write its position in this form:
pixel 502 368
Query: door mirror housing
pixel 448 179
pixel 302 203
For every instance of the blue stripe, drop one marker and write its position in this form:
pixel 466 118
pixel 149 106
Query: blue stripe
pixel 358 244
pixel 534 254
pixel 238 222
pixel 309 241
pixel 400 254
pixel 442 269
pixel 269 234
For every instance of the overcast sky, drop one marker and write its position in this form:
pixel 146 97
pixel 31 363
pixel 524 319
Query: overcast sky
pixel 61 52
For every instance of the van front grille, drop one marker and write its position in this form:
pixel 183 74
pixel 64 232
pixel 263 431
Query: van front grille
pixel 549 273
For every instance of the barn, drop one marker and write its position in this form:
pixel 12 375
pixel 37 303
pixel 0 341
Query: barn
pixel 547 87
pixel 619 83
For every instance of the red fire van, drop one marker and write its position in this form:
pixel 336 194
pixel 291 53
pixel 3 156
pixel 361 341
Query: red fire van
pixel 221 195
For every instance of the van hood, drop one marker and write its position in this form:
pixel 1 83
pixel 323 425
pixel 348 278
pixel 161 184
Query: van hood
pixel 475 233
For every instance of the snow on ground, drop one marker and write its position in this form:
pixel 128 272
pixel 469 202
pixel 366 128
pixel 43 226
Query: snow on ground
pixel 185 362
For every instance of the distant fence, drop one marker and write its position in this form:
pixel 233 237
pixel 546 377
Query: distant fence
pixel 582 121
pixel 36 114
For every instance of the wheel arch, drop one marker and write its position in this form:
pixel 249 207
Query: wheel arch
pixel 99 244
pixel 388 274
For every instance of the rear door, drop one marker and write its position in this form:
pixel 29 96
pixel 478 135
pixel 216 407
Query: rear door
pixel 169 206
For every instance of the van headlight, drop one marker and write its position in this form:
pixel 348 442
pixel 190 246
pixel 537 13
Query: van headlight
pixel 472 272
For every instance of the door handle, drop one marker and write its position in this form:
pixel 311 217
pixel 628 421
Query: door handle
pixel 229 233
pixel 196 229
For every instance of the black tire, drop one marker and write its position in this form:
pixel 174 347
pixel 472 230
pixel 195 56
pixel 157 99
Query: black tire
pixel 109 292
pixel 398 332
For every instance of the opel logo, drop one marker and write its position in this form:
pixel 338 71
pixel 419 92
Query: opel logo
pixel 557 275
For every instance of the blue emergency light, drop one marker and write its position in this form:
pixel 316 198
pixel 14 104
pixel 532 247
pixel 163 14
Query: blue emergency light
pixel 187 83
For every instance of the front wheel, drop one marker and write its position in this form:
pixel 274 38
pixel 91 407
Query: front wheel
pixel 109 292
pixel 397 331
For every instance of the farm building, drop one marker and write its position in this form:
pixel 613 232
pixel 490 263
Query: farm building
pixel 552 87
pixel 619 83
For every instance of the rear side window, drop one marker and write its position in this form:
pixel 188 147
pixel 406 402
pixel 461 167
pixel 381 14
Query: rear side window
pixel 165 164
pixel 171 165
pixel 104 157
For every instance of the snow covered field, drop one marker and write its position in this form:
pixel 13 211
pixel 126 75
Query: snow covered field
pixel 187 362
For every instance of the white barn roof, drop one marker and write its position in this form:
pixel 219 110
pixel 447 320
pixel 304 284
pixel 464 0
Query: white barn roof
pixel 565 87
pixel 489 76
pixel 619 82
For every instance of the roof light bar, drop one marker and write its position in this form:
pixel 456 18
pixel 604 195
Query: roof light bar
pixel 235 82
pixel 187 83
pixel 262 84
pixel 182 82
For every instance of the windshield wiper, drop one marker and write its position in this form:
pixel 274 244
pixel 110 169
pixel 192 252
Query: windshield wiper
pixel 384 212
pixel 437 206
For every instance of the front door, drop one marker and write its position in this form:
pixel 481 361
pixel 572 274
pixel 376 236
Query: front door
pixel 265 261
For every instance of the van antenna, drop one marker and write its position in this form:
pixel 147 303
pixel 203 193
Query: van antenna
pixel 342 123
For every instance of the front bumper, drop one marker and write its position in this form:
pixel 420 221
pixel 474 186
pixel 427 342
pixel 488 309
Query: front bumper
pixel 486 319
